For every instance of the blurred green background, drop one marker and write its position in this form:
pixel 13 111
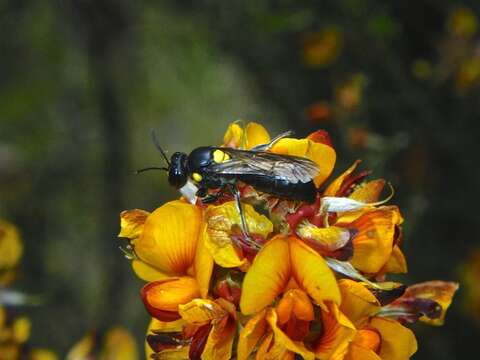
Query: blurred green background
pixel 82 82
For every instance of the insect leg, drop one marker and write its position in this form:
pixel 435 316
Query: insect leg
pixel 265 147
pixel 243 221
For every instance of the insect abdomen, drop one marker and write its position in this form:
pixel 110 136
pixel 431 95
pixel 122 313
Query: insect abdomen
pixel 280 187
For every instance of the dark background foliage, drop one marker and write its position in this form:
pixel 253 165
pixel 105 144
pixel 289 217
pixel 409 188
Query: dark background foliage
pixel 83 81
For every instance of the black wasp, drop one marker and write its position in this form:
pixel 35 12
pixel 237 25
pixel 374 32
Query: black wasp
pixel 212 167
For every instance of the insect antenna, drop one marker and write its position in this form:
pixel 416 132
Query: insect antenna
pixel 151 168
pixel 157 145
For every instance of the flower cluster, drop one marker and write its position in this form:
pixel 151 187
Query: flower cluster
pixel 309 281
pixel 14 328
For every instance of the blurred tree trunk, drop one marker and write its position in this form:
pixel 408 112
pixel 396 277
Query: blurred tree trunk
pixel 102 25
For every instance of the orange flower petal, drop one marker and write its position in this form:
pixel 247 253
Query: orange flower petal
pixel 356 352
pixel 374 242
pixel 321 154
pixel 267 277
pixel 131 223
pixel 368 339
pixel 169 238
pixel 220 221
pixel 251 333
pixel 220 340
pixel 398 342
pixel 329 239
pixel 201 311
pixel 368 192
pixel 337 333
pixel 282 340
pixel 168 294
pixel 312 273
pixel 335 186
pixel 294 302
pixel 396 263
pixel 147 272
pixel 203 266
pixel 357 301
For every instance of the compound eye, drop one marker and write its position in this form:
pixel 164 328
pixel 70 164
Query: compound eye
pixel 196 177
pixel 219 156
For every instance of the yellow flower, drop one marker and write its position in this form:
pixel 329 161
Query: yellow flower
pixel 283 261
pixel 170 251
pixel 11 249
pixel 361 306
pixel 117 344
pixel 278 292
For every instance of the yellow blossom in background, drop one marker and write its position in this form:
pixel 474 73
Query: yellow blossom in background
pixel 116 344
pixel 308 279
pixel 11 249
pixel 322 48
pixel 15 329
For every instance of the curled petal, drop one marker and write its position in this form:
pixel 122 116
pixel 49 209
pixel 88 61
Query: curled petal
pixel 267 277
pixel 329 239
pixel 221 220
pixel 169 238
pixel 131 223
pixel 250 334
pixel 337 333
pixel 147 272
pixel 426 301
pixel 201 311
pixel 335 186
pixel 439 291
pixel 162 297
pixel 374 242
pixel 398 342
pixel 312 273
pixel 294 302
pixel 323 155
pixel 357 301
pixel 283 341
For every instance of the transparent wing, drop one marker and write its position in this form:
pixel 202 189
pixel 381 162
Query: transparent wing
pixel 291 168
